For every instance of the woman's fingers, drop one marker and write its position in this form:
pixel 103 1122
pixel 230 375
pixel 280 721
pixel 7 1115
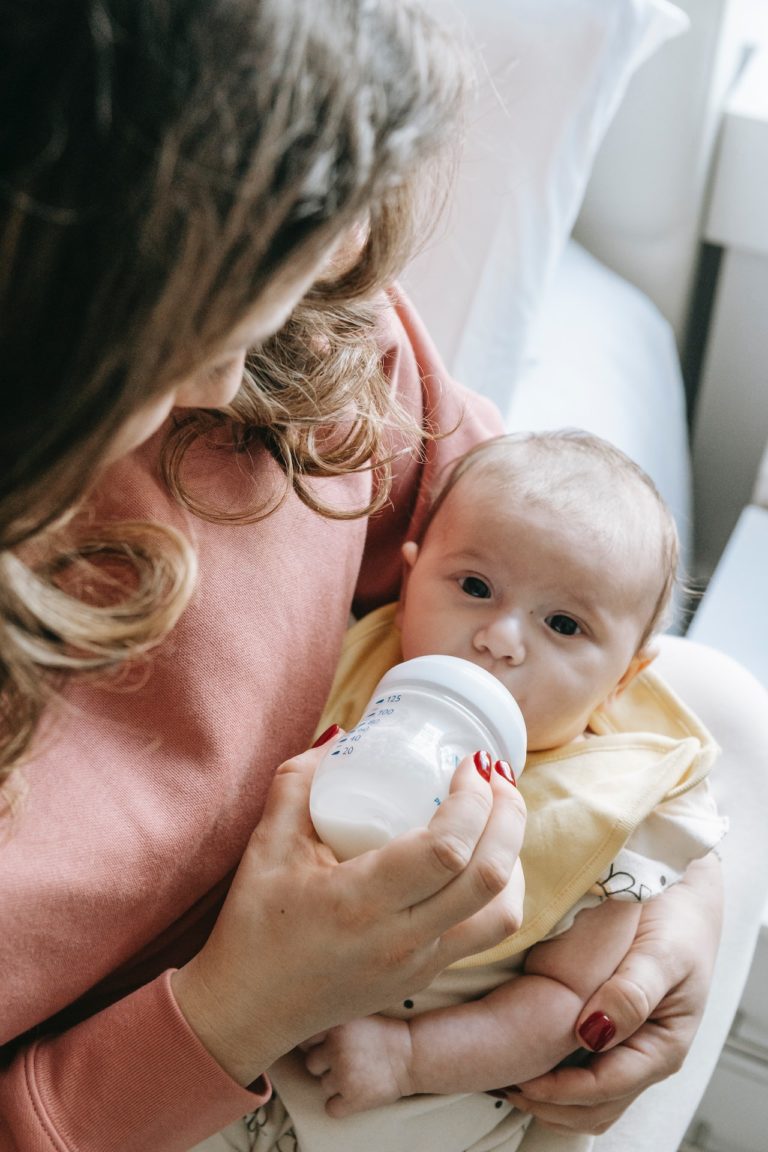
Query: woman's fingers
pixel 567 1120
pixel 459 868
pixel 635 993
pixel 376 928
pixel 623 1003
pixel 495 922
pixel 443 874
pixel 415 866
pixel 461 862
pixel 665 976
pixel 286 821
pixel 640 1024
pixel 490 891
pixel 591 1098
pixel 626 1071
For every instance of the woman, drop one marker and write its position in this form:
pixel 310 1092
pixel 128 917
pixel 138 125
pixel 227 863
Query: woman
pixel 176 179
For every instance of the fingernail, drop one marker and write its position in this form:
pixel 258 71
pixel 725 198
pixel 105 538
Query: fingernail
pixel 505 770
pixel 483 763
pixel 329 734
pixel 597 1031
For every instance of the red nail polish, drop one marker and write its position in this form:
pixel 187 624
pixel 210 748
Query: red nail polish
pixel 505 770
pixel 329 734
pixel 483 764
pixel 597 1031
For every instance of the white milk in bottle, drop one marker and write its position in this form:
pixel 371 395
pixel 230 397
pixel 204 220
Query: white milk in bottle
pixel 392 771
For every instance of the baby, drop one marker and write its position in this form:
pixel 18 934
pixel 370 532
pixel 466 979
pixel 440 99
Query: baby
pixel 550 561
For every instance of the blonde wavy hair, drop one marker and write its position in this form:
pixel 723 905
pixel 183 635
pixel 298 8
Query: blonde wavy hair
pixel 173 162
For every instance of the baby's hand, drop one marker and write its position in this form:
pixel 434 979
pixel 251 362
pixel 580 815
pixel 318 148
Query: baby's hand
pixel 362 1064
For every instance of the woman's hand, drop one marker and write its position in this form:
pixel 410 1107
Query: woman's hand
pixel 304 942
pixel 643 1020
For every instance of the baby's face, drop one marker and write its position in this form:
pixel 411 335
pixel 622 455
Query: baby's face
pixel 554 612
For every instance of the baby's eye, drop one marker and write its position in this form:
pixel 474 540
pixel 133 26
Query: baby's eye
pixel 564 625
pixel 474 586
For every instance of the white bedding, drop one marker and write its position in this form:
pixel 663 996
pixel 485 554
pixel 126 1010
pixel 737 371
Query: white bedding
pixel 599 356
pixel 602 357
pixel 550 335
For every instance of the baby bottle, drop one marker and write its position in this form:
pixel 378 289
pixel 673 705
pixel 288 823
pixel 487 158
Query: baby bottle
pixel 393 770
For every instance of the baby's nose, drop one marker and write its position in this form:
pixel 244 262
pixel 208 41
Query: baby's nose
pixel 502 638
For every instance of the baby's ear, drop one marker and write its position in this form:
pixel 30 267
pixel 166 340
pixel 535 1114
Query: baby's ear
pixel 409 552
pixel 639 661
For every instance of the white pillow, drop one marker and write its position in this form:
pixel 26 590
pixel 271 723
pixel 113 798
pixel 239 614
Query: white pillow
pixel 602 357
pixel 551 76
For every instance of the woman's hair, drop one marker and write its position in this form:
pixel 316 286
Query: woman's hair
pixel 583 477
pixel 169 164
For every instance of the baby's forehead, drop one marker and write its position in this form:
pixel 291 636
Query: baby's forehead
pixel 571 490
pixel 621 519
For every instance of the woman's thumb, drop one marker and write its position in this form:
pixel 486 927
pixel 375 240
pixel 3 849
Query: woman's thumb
pixel 623 1003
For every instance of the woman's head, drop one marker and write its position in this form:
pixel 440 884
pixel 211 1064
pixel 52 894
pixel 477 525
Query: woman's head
pixel 174 175
pixel 169 167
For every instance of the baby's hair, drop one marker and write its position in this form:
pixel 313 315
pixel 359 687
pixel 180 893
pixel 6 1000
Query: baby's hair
pixel 168 165
pixel 563 468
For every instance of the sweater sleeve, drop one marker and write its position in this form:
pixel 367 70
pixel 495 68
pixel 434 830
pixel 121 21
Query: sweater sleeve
pixel 461 418
pixel 79 1090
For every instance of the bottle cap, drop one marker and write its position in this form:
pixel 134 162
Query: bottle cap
pixel 478 690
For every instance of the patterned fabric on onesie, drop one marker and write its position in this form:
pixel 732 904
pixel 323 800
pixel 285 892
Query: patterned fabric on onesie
pixel 268 1129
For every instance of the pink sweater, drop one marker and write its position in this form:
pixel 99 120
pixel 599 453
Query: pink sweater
pixel 139 802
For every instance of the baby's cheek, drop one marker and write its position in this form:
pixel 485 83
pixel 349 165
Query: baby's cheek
pixel 550 726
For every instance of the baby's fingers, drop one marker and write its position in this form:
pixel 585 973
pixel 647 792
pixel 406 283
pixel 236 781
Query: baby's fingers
pixel 317 1060
pixel 313 1041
